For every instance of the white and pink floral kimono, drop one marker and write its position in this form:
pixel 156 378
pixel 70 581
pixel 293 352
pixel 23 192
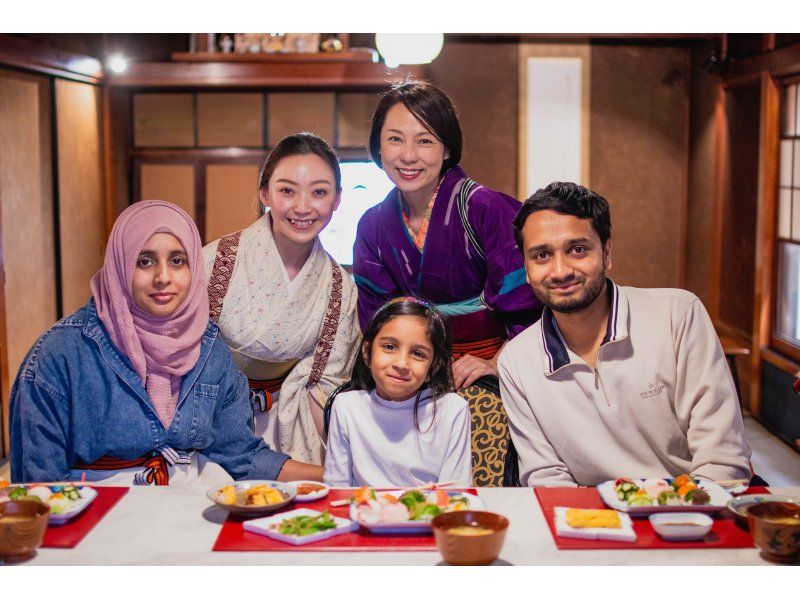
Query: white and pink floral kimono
pixel 291 338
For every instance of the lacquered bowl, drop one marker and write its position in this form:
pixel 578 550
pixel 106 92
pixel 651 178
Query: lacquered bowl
pixel 469 550
pixel 23 524
pixel 776 530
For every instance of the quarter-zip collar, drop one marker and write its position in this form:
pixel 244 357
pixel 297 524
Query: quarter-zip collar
pixel 555 350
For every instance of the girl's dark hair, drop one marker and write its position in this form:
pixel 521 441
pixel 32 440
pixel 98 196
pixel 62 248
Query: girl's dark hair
pixel 431 107
pixel 440 373
pixel 300 144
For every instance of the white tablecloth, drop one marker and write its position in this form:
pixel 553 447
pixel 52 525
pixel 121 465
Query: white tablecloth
pixel 178 526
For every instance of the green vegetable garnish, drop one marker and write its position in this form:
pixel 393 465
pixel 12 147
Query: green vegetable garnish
pixel 411 499
pixel 18 492
pixel 305 525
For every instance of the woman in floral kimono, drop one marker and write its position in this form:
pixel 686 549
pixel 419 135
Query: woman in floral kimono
pixel 442 237
pixel 285 307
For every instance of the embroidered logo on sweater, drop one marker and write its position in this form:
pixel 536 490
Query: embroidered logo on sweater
pixel 652 391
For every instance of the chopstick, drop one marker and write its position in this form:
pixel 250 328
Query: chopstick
pixel 431 486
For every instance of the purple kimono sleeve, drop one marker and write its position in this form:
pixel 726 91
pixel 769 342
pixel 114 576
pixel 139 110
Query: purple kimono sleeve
pixel 506 290
pixel 375 284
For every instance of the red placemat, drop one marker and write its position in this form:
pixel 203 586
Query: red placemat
pixel 71 533
pixel 724 533
pixel 232 537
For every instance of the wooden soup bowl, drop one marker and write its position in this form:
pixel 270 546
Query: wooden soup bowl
pixel 469 550
pixel 779 541
pixel 23 524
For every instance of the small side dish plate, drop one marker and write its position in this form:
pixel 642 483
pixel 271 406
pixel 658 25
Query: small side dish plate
pixel 309 491
pixel 679 527
pixel 410 526
pixel 287 491
pixel 718 499
pixel 619 534
pixel 268 526
pixel 740 504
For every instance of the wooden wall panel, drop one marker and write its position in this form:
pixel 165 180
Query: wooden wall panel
pixel 700 204
pixel 638 154
pixel 290 113
pixel 27 252
pixel 482 81
pixel 169 182
pixel 231 198
pixel 230 119
pixel 739 210
pixel 80 190
pixel 354 118
pixel 163 120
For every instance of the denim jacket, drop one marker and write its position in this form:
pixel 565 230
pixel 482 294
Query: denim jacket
pixel 77 398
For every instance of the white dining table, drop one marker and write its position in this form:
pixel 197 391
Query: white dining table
pixel 178 526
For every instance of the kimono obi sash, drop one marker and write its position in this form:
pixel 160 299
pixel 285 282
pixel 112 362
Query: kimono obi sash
pixel 155 465
pixel 485 349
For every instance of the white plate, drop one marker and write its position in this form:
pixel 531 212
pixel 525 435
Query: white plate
pixel 264 527
pixel 88 494
pixel 620 534
pixel 411 527
pixel 311 496
pixel 287 489
pixel 718 496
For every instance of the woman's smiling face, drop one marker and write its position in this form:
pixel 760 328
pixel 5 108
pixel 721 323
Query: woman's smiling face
pixel 411 155
pixel 301 195
pixel 161 278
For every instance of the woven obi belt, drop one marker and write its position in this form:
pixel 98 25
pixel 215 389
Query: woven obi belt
pixel 475 330
pixel 265 380
pixel 155 465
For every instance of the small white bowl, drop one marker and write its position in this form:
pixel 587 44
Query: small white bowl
pixel 679 527
pixel 310 496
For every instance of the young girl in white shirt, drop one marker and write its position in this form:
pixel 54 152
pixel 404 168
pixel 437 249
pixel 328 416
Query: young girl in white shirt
pixel 404 426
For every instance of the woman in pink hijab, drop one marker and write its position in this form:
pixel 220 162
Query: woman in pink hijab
pixel 137 386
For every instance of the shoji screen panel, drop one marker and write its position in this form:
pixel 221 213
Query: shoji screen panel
pixel 231 198
pixel 230 119
pixel 163 120
pixel 27 249
pixel 80 190
pixel 169 182
pixel 290 113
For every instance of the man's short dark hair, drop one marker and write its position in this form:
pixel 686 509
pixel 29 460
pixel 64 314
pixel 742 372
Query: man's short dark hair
pixel 566 198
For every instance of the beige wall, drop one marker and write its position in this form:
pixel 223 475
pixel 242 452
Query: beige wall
pixel 700 208
pixel 481 79
pixel 26 215
pixel 80 190
pixel 639 138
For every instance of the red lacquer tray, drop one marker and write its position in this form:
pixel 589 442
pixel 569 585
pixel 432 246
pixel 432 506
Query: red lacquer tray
pixel 724 534
pixel 71 533
pixel 232 536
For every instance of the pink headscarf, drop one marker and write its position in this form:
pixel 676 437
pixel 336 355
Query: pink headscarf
pixel 162 348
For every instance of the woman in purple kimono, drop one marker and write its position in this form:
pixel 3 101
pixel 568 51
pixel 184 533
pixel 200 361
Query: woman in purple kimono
pixel 442 237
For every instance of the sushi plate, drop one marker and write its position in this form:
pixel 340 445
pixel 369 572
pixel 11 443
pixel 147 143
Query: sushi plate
pixel 718 500
pixel 411 527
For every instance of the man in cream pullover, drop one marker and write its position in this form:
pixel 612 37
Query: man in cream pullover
pixel 612 381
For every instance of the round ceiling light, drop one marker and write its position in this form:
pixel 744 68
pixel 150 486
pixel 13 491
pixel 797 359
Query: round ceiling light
pixel 409 48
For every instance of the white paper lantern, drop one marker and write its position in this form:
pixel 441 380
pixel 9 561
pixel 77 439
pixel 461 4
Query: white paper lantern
pixel 409 48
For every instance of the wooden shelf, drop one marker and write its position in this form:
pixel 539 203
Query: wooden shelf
pixel 242 75
pixel 350 56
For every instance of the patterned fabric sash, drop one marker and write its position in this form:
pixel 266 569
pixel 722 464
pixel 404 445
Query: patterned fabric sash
pixel 221 274
pixel 485 349
pixel 155 465
pixel 261 392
